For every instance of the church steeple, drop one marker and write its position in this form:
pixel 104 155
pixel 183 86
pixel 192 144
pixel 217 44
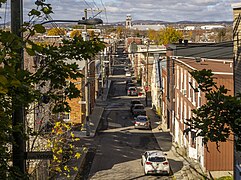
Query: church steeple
pixel 128 21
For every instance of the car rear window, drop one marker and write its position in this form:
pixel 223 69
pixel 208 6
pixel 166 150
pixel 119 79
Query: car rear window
pixel 157 159
pixel 142 119
pixel 132 88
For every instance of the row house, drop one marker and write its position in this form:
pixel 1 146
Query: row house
pixel 178 99
pixel 142 58
pixel 237 74
pixel 186 100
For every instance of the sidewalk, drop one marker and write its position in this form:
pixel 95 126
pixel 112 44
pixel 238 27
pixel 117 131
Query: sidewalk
pixel 93 125
pixel 182 167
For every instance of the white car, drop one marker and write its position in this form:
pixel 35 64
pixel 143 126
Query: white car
pixel 155 162
pixel 128 74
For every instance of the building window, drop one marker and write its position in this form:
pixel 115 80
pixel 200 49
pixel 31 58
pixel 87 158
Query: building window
pixel 178 75
pixel 181 78
pixel 189 86
pixel 194 94
pixel 199 98
pixel 193 139
pixel 177 105
pixel 66 117
pixel 185 80
pixel 181 108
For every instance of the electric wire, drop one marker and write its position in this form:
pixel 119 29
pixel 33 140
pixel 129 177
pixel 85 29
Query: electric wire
pixel 5 15
pixel 95 4
pixel 89 7
pixel 104 10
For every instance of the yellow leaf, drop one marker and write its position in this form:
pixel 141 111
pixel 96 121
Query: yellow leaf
pixel 60 151
pixel 55 158
pixel 77 155
pixel 66 168
pixel 72 134
pixel 58 169
pixel 75 168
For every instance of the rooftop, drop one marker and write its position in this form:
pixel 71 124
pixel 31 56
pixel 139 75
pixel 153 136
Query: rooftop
pixel 220 67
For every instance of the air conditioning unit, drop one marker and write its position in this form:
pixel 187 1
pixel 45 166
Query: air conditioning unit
pixel 184 91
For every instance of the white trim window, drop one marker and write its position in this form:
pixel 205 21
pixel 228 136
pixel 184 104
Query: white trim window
pixel 189 86
pixel 66 116
pixel 194 93
pixel 178 76
pixel 181 78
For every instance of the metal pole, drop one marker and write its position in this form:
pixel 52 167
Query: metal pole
pixel 102 71
pixel 18 147
pixel 110 62
pixel 87 97
pixel 147 65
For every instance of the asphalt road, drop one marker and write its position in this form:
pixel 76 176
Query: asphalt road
pixel 117 148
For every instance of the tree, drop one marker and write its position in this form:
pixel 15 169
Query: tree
pixel 169 35
pixel 75 33
pixel 153 36
pixel 56 32
pixel 51 77
pixel 219 118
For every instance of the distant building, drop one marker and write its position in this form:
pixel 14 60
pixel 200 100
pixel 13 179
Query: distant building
pixel 210 27
pixel 128 21
pixel 189 28
pixel 147 27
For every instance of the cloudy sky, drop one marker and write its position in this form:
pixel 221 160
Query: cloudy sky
pixel 116 10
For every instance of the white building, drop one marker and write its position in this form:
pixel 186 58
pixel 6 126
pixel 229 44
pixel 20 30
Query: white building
pixel 210 27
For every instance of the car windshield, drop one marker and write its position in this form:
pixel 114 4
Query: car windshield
pixel 157 159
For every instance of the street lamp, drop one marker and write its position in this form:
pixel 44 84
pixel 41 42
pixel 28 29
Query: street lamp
pixel 91 21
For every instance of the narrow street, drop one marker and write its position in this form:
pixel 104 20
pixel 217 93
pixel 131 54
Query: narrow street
pixel 118 147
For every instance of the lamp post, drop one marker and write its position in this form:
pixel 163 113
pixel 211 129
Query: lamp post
pixel 147 66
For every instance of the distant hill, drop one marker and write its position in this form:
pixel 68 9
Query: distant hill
pixel 178 22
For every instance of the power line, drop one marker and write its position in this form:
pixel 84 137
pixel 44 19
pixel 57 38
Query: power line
pixel 104 10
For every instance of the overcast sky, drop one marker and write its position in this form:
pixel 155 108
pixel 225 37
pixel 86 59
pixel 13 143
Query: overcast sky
pixel 116 10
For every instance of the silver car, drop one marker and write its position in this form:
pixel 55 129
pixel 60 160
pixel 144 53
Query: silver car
pixel 142 122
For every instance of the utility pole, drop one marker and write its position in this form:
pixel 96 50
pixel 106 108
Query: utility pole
pixel 87 97
pixel 18 146
pixel 147 74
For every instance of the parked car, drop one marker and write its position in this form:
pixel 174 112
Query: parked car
pixel 138 109
pixel 129 81
pixel 128 74
pixel 142 122
pixel 132 91
pixel 155 162
pixel 133 102
pixel 130 85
